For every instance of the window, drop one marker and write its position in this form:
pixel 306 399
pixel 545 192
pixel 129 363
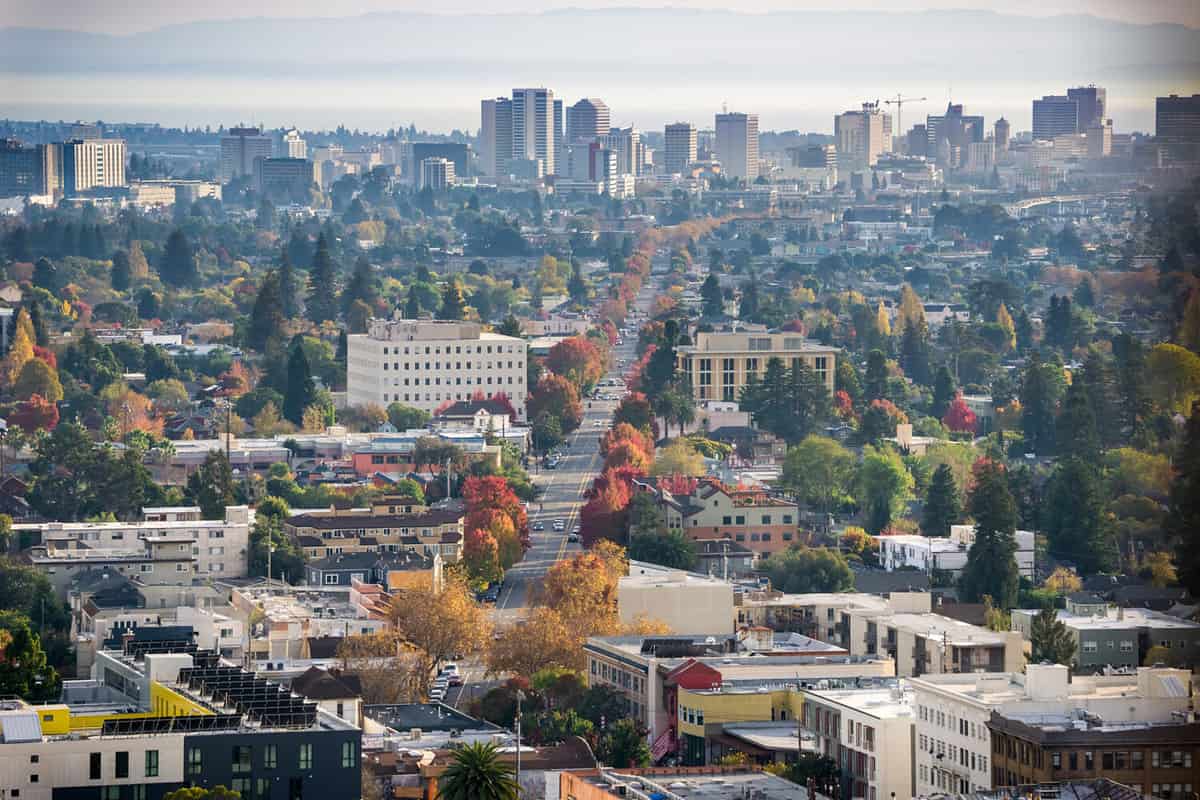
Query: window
pixel 1107 760
pixel 306 756
pixel 1137 760
pixel 1126 646
pixel 110 793
pixel 1089 762
pixel 195 761
pixel 94 766
pixel 241 785
pixel 331 579
pixel 726 520
pixel 1089 647
pixel 1056 761
pixel 295 789
pixel 766 519
pixel 151 763
pixel 139 792
pixel 262 788
pixel 1072 761
pixel 241 758
pixel 348 754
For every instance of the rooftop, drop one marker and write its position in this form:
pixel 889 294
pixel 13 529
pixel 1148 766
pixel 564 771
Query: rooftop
pixel 1123 619
pixel 949 631
pixel 717 785
pixel 881 703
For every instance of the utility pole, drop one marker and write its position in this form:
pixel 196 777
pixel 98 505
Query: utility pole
pixel 520 697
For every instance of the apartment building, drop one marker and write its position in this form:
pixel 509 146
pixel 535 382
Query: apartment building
pixel 719 364
pixel 748 517
pixel 869 733
pixel 437 174
pixel 390 525
pixel 219 547
pixel 32 170
pixel 1120 637
pixel 823 616
pixel 286 178
pixel 89 164
pixel 954 741
pixel 945 554
pixel 159 715
pixel 423 363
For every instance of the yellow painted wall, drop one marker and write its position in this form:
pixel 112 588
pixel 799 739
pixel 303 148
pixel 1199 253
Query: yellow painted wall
pixel 89 722
pixel 738 707
pixel 166 702
pixel 55 719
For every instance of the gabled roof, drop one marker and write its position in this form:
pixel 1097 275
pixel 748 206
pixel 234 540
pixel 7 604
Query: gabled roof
pixel 316 683
pixel 469 408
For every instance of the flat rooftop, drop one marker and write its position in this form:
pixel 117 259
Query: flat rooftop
pixel 724 786
pixel 889 703
pixel 1123 620
pixel 934 626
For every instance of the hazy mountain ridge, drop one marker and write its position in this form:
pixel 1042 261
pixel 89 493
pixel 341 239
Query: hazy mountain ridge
pixel 707 41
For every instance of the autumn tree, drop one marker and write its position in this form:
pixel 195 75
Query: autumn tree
pixel 38 377
pixel 439 624
pixel 680 457
pixel 959 417
pixel 541 640
pixel 556 396
pixel 635 410
pixel 604 515
pixel 578 359
pixel 624 432
pixel 386 666
pixel 20 351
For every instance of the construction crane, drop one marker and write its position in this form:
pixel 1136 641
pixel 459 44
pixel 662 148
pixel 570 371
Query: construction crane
pixel 898 101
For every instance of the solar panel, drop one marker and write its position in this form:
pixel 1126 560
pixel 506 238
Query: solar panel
pixel 129 726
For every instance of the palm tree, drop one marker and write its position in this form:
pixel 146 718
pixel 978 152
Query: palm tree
pixel 478 774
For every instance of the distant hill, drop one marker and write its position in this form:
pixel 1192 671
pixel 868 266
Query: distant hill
pixel 937 45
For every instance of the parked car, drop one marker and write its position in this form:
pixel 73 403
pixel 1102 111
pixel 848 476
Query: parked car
pixel 449 668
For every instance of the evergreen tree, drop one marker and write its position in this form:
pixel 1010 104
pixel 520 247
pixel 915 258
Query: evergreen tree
pixel 714 300
pixel 1096 379
pixel 266 318
pixel 914 352
pixel 945 388
pixel 361 285
pixel 1051 639
pixel 45 276
pixel 322 285
pixel 991 562
pixel 139 268
pixel 301 390
pixel 453 305
pixel 121 276
pixel 179 267
pixel 748 305
pixel 412 306
pixel 1076 427
pixel 809 402
pixel 875 381
pixel 1133 402
pixel 1182 523
pixel 509 326
pixel 299 250
pixel 288 288
pixel 211 486
pixel 1037 407
pixel 941 503
pixel 37 323
pixel 1075 524
pixel 577 288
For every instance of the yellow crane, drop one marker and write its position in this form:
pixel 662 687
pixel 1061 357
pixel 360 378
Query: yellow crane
pixel 898 101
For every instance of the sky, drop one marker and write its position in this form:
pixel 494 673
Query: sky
pixel 125 16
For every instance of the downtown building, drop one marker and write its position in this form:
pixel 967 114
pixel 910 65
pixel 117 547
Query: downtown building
pixel 679 147
pixel 587 120
pixel 737 145
pixel 30 171
pixel 1177 119
pixel 424 363
pixel 862 136
pixel 720 364
pixel 240 148
pixel 158 714
pixel 89 164
pixel 520 135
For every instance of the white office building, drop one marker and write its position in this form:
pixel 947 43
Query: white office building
pixel 533 125
pixel 92 164
pixel 293 145
pixel 437 174
pixel 240 148
pixel 737 145
pixel 869 733
pixel 423 363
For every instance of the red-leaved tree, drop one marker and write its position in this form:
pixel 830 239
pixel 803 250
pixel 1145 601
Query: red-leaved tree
pixel 959 417
pixel 605 514
pixel 36 413
pixel 558 397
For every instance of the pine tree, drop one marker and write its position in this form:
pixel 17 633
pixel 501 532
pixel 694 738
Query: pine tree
pixel 577 288
pixel 139 268
pixel 991 562
pixel 179 262
pixel 875 381
pixel 1182 523
pixel 288 288
pixel 945 388
pixel 1098 386
pixel 121 276
pixel 45 276
pixel 1133 402
pixel 1037 408
pixel 942 508
pixel 1005 321
pixel 1051 639
pixel 1075 524
pixel 914 352
pixel 1076 427
pixel 412 306
pixel 301 390
pixel 322 288
pixel 361 286
pixel 453 305
pixel 36 324
pixel 266 318
pixel 710 293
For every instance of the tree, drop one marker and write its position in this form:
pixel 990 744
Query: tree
pixel 1182 523
pixel 667 548
pixel 266 317
pixel 578 359
pixel 20 351
pixel 211 486
pixel 577 288
pixel 179 267
pixel 361 286
pixel 1009 328
pixel 476 772
pixel 884 486
pixel 24 672
pixel 541 640
pixel 121 275
pixel 45 276
pixel 38 377
pixel 404 417
pixel 991 562
pixel 139 268
pixel 440 624
pixel 678 458
pixel 1075 523
pixel 875 382
pixel 556 396
pixel 624 745
pixel 454 306
pixel 301 389
pixel 288 286
pixel 1039 396
pixel 1189 327
pixel 802 570
pixel 942 508
pixel 820 471
pixel 322 288
pixel 385 666
pixel 1063 581
pixel 1173 374
pixel 635 409
pixel 712 297
pixel 1051 639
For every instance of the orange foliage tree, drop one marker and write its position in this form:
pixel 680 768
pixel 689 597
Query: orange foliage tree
pixel 578 359
pixel 605 514
pixel 556 396
pixel 624 432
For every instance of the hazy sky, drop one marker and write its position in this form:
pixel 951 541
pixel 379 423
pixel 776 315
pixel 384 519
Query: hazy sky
pixel 116 16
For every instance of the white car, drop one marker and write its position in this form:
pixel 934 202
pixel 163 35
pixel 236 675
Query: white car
pixel 449 668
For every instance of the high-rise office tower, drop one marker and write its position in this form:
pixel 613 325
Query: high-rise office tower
pixel 679 147
pixel 533 127
pixel 1092 102
pixel 559 131
pixel 630 151
pixel 1099 140
pixel 587 119
pixel 1055 115
pixel 1177 119
pixel 239 148
pixel 917 141
pixel 292 145
pixel 737 144
pixel 437 173
pixel 93 164
pixel 1003 134
pixel 29 170
pixel 495 136
pixel 860 136
pixel 950 134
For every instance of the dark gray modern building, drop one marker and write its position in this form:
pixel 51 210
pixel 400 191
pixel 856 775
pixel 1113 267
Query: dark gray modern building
pixel 1055 115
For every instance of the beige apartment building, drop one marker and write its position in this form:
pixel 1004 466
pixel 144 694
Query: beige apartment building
pixel 719 364
pixel 423 363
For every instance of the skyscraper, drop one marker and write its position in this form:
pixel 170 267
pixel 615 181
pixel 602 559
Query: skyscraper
pixel 1055 115
pixel 1003 134
pixel 631 152
pixel 1092 102
pixel 679 147
pixel 587 119
pixel 559 132
pixel 93 164
pixel 495 136
pixel 533 127
pixel 29 170
pixel 292 146
pixel 860 136
pixel 239 148
pixel 737 144
pixel 1177 119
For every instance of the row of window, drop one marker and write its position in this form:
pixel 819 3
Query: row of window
pixel 120 765
pixel 458 349
pixel 1127 645
pixel 766 520
pixel 458 381
pixel 415 366
pixel 754 537
pixel 436 396
pixel 960 755
pixel 950 722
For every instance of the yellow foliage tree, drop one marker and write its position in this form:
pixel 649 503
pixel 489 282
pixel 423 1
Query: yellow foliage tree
pixel 1063 581
pixel 543 639
pixel 20 353
pixel 1005 321
pixel 25 323
pixel 1161 569
pixel 1189 328
pixel 441 624
pixel 881 320
pixel 912 310
pixel 680 457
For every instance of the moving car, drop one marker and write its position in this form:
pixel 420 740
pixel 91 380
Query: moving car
pixel 539 526
pixel 572 537
pixel 560 525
